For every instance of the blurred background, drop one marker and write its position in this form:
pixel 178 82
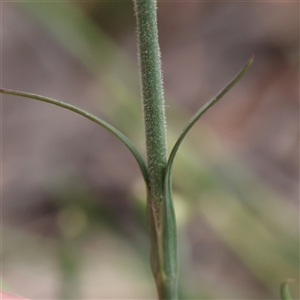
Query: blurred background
pixel 73 201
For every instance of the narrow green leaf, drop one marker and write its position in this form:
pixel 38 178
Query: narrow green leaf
pixel 93 118
pixel 284 290
pixel 169 231
pixel 196 117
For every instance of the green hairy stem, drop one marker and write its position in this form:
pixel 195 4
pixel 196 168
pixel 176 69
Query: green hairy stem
pixel 152 94
pixel 160 212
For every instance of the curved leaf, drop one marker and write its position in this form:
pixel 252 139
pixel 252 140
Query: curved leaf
pixel 168 214
pixel 93 118
pixel 284 290
pixel 197 116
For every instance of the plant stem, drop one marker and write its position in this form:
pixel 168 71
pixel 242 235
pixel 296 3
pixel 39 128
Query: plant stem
pixel 152 92
pixel 160 212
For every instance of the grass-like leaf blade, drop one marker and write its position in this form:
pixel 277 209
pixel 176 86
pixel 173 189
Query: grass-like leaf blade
pixel 93 118
pixel 168 217
pixel 284 290
pixel 197 116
